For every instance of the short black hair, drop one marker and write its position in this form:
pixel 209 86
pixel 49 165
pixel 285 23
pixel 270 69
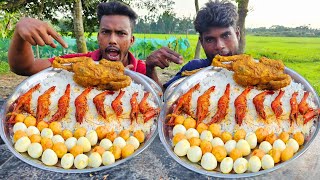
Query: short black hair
pixel 216 14
pixel 116 8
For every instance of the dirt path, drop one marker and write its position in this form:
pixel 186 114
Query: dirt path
pixel 9 81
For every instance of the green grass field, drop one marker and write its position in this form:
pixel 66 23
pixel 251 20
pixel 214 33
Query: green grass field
pixel 298 53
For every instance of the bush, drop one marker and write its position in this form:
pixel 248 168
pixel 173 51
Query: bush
pixel 141 48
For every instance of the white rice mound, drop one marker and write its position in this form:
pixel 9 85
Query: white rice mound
pixel 252 120
pixel 92 120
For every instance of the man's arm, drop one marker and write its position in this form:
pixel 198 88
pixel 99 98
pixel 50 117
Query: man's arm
pixel 30 32
pixel 161 58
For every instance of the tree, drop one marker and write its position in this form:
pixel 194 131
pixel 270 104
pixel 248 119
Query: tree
pixel 242 11
pixel 78 27
pixel 198 47
pixel 167 22
pixel 48 10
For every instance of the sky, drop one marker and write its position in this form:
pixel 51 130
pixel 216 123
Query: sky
pixel 265 13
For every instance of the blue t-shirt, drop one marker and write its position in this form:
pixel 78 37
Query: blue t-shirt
pixel 191 65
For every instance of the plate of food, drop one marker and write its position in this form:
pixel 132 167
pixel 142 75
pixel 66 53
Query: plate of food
pixel 80 116
pixel 241 118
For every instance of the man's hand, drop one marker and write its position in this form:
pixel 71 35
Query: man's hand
pixel 162 57
pixel 37 32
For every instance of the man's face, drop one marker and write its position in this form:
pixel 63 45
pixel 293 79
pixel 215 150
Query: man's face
pixel 115 37
pixel 220 40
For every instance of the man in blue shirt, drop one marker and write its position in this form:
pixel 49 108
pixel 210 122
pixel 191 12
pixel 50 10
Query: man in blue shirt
pixel 216 24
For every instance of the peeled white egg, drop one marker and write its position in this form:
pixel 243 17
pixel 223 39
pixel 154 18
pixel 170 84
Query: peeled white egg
pixel 230 145
pixel 133 141
pixel 208 161
pixel 254 164
pixel 192 132
pixel 57 138
pixel 35 150
pixel 85 143
pixel 244 147
pixel 47 133
pixel 279 144
pixel 19 126
pixel 294 144
pixel 240 165
pixel 194 154
pixel 67 161
pixel 106 144
pixel 206 136
pixel 81 161
pixel 226 165
pixel 107 158
pixel 49 157
pixel 92 136
pixel 182 147
pixel 70 142
pixel 265 146
pixel 267 162
pixel 251 138
pixel 119 141
pixel 179 128
pixel 22 144
pixel 95 160
pixel 216 142
pixel 32 130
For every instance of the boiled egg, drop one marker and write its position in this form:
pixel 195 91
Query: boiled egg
pixel 192 132
pixel 240 165
pixel 85 143
pixel 294 144
pixel 230 145
pixel 70 142
pixel 120 142
pixel 106 144
pixel 107 158
pixel 251 138
pixel 226 165
pixel 206 136
pixel 182 147
pixel 179 128
pixel 81 161
pixel 57 138
pixel 208 161
pixel 32 130
pixel 279 144
pixel 92 136
pixel 267 162
pixel 22 144
pixel 194 154
pixel 46 132
pixel 49 157
pixel 133 141
pixel 217 142
pixel 244 147
pixel 265 146
pixel 35 150
pixel 19 126
pixel 254 164
pixel 95 160
pixel 67 161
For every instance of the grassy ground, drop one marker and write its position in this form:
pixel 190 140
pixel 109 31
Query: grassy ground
pixel 298 53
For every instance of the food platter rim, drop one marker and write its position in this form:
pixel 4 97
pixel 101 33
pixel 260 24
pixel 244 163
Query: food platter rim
pixel 188 165
pixel 36 162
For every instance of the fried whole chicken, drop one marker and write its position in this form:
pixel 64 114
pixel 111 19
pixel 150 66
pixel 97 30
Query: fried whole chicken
pixel 107 75
pixel 265 74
